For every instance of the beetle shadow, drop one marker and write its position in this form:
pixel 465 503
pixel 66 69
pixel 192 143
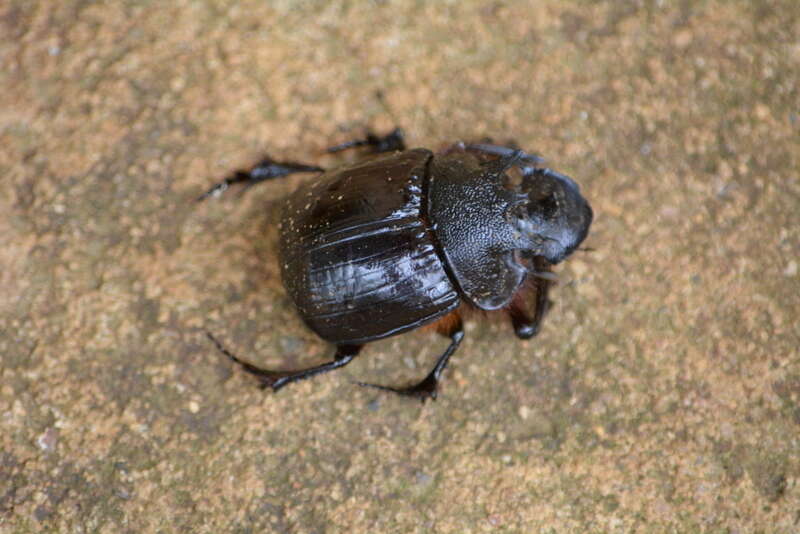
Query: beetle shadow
pixel 253 216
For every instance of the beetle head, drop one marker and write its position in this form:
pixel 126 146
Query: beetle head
pixel 552 216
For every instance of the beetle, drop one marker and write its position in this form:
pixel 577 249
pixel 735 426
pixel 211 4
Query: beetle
pixel 407 238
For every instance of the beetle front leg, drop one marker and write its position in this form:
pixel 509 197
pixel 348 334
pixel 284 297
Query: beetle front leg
pixel 391 142
pixel 277 379
pixel 427 388
pixel 525 326
pixel 267 169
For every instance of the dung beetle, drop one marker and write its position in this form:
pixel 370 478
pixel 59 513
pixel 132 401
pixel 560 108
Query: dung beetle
pixel 407 238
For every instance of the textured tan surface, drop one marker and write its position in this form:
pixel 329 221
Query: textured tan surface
pixel 661 396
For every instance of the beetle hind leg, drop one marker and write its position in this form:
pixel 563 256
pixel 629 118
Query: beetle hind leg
pixel 277 379
pixel 428 387
pixel 267 169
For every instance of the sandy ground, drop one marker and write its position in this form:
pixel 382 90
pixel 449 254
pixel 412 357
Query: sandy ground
pixel 661 396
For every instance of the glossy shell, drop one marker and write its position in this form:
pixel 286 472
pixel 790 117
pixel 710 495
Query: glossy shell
pixel 357 257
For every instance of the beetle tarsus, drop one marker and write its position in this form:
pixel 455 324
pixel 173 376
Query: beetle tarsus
pixel 428 387
pixel 278 379
pixel 267 169
pixel 391 142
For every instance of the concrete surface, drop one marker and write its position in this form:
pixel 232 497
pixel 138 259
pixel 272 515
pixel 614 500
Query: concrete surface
pixel 661 396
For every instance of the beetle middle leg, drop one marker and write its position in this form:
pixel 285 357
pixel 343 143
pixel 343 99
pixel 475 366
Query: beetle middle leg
pixel 391 142
pixel 451 327
pixel 277 379
pixel 501 151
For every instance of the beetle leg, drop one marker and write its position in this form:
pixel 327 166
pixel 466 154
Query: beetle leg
pixel 525 327
pixel 391 142
pixel 267 169
pixel 277 379
pixel 504 152
pixel 427 388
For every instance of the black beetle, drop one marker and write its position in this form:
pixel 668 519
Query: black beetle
pixel 409 237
